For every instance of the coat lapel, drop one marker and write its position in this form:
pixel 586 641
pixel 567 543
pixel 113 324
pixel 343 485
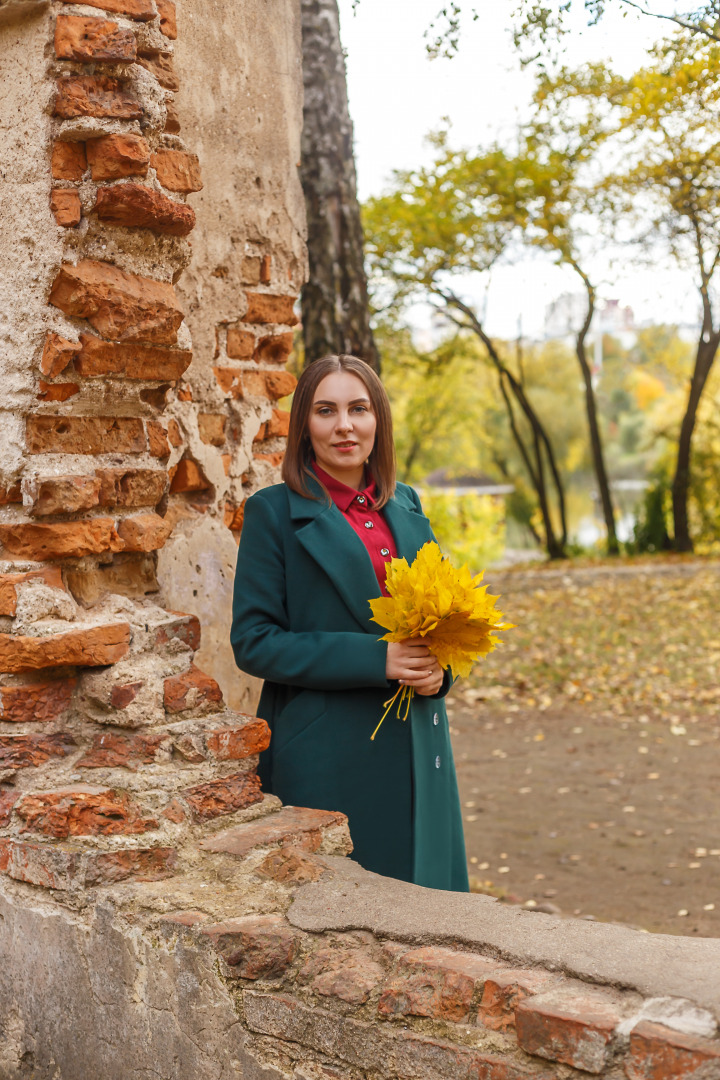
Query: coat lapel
pixel 410 529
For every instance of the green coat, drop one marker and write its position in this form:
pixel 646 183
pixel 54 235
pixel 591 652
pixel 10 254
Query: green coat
pixel 302 622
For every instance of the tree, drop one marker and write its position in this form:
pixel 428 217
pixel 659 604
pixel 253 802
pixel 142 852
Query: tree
pixel 334 301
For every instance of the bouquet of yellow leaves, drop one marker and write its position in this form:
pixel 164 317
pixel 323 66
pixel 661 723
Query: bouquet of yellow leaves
pixel 446 606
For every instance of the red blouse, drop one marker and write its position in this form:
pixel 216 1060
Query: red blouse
pixel 358 510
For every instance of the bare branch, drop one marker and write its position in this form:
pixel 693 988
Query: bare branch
pixel 695 28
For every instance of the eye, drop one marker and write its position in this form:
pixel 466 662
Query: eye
pixel 324 410
pixel 360 408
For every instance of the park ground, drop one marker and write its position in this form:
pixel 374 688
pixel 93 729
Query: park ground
pixel 588 746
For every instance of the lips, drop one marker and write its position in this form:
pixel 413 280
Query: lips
pixel 344 445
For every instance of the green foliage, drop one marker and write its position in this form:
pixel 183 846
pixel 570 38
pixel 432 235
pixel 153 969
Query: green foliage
pixel 469 528
pixel 651 528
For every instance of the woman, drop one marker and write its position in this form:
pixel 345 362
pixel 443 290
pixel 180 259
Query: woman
pixel 312 554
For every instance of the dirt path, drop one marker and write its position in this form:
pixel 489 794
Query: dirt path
pixel 588 750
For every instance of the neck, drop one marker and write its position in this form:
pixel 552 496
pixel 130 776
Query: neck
pixel 354 478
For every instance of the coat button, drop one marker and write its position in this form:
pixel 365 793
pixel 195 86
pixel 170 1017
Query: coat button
pixel 384 551
pixel 437 762
pixel 436 719
pixel 369 525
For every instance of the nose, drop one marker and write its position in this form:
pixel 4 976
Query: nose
pixel 344 422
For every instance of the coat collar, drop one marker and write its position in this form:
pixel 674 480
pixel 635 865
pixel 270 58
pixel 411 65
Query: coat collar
pixel 339 551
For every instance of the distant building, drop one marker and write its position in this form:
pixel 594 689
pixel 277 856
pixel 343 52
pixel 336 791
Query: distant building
pixel 565 316
pixel 469 484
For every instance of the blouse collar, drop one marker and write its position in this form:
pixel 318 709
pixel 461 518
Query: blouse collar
pixel 342 494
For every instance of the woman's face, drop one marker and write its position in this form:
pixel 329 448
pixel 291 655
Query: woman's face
pixel 342 426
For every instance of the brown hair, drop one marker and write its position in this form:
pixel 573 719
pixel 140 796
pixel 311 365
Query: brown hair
pixel 297 466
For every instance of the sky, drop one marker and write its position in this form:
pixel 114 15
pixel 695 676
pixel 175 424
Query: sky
pixel 397 95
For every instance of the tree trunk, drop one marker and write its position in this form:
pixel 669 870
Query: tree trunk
pixel 705 357
pixel 334 302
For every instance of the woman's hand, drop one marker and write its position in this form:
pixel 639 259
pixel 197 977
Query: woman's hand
pixel 412 664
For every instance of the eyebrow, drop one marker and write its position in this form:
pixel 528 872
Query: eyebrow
pixel 355 401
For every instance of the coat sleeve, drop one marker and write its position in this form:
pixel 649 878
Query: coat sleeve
pixel 264 644
pixel 447 677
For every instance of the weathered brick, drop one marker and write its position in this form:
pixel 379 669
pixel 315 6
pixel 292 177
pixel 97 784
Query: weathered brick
pixel 37 703
pixel 142 10
pixel 64 495
pixel 230 381
pixel 111 751
pixel 129 575
pixel 575 1028
pixel 9 583
pixel 191 690
pixel 143 864
pixel 69 160
pixel 161 66
pixel 172 119
pixel 211 427
pixel 440 995
pixel 235 743
pixel 138 206
pixel 274 349
pixel 158 444
pixel 223 796
pixel 123 694
pixel 84 435
pixel 504 990
pixel 174 433
pixel 56 391
pixel 48 865
pixel 266 308
pixel 11 493
pixel 191 746
pixel 234 516
pixel 185 918
pixel 61 539
pixel 188 476
pixel 240 343
pixel 131 487
pixel 290 867
pixel 250 270
pixel 94 647
pixel 8 798
pixel 177 170
pixel 183 627
pixel 144 532
pixel 276 427
pixel 112 157
pixel 82 811
pixel 274 458
pixel 88 39
pixel 21 751
pixel 65 205
pixel 168 18
pixel 255 947
pixel 658 1053
pixel 272 384
pixel 301 827
pixel 101 96
pixel 98 357
pixel 57 354
pixel 347 974
pixel 175 812
pixel 266 269
pixel 118 305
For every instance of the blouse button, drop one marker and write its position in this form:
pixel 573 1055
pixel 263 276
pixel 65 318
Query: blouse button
pixel 437 762
pixel 436 719
pixel 369 525
pixel 384 551
pixel 361 498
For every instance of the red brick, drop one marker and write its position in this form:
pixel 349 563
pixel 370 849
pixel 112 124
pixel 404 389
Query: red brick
pixel 240 343
pixel 234 516
pixel 57 391
pixel 255 947
pixel 142 10
pixel 184 393
pixel 272 384
pixel 101 96
pixel 69 160
pixel 50 575
pixel 191 690
pixel 211 427
pixel 168 18
pixel 274 349
pixel 175 812
pixel 87 39
pixel 118 305
pixel 112 157
pixel 174 434
pixel 185 628
pixel 265 308
pixel 36 703
pixel 190 745
pixel 57 354
pixel 275 458
pixel 290 867
pixel 95 647
pixel 131 487
pixel 185 918
pixel 124 694
pixel 161 66
pixel 504 990
pixel 658 1053
pixel 21 751
pixel 111 751
pixel 138 206
pixel 172 120
pixel 235 743
pixel 143 864
pixel 65 205
pixel 223 796
pixel 440 996
pixel 64 495
pixel 266 269
pixel 188 476
pixel 98 357
pixel 144 532
pixel 82 811
pixel 177 170
pixel 250 270
pixel 301 827
pixel 276 427
pixel 158 444
pixel 347 974
pixel 8 798
pixel 84 435
pixel 230 381
pixel 61 539
pixel 48 865
pixel 574 1028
